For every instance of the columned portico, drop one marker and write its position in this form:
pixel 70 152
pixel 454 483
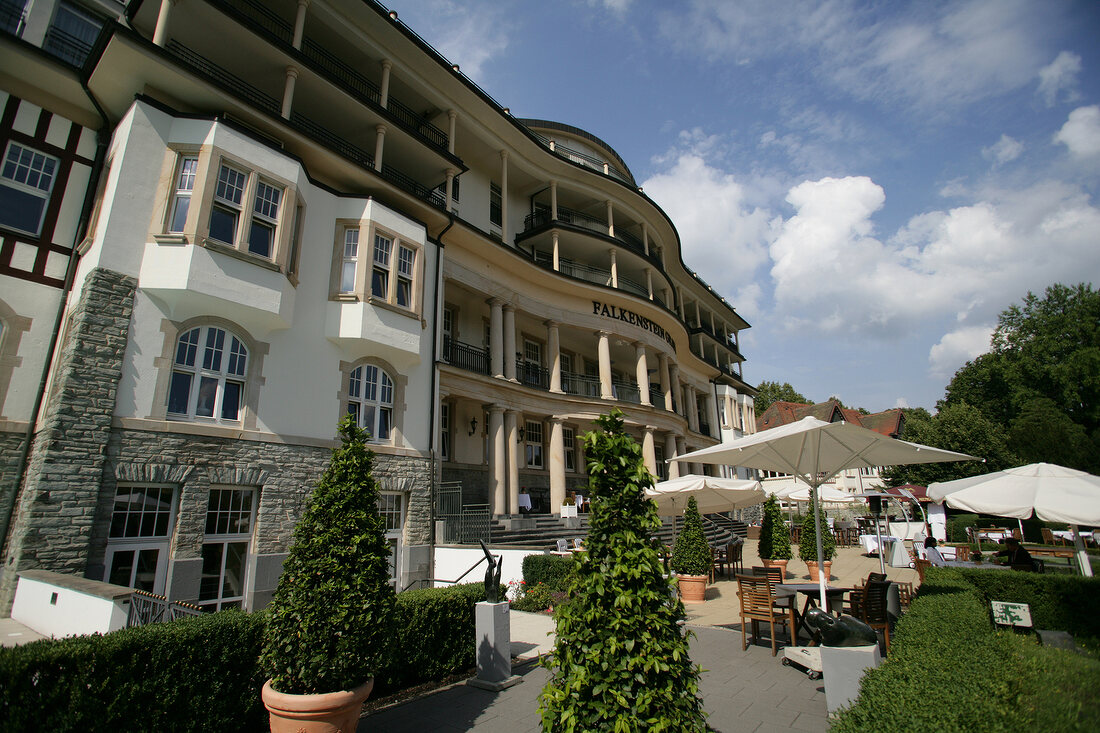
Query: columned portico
pixel 511 432
pixel 606 392
pixel 642 373
pixel 557 464
pixel 649 451
pixel 510 342
pixel 498 455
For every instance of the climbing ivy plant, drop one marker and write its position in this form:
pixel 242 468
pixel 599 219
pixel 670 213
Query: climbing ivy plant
pixel 621 661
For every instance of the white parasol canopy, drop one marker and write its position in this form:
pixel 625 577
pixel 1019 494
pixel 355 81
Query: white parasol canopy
pixel 826 494
pixel 1054 493
pixel 712 494
pixel 814 451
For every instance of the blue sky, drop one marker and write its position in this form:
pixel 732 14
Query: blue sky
pixel 868 183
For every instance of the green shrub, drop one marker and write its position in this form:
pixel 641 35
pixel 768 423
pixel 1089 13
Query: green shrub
pixel 950 670
pixel 957 524
pixel 775 538
pixel 1055 601
pixel 551 570
pixel 690 552
pixel 332 613
pixel 536 597
pixel 620 661
pixel 193 674
pixel 807 540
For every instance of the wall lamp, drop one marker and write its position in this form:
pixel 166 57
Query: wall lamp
pixel 520 433
pixel 473 426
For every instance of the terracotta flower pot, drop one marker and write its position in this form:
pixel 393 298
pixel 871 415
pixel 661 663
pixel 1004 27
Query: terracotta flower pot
pixel 693 588
pixel 781 564
pixel 811 565
pixel 327 712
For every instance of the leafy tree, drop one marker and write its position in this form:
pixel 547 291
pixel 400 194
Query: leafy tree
pixel 769 392
pixel 1043 433
pixel 775 538
pixel 621 659
pixel 690 553
pixel 959 428
pixel 807 539
pixel 331 614
pixel 983 383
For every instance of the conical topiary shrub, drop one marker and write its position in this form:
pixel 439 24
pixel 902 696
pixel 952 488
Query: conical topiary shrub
pixel 775 538
pixel 807 540
pixel 690 552
pixel 620 661
pixel 331 614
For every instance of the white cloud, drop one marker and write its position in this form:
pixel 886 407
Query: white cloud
pixel 468 36
pixel 1060 75
pixel 1003 151
pixel 1081 133
pixel 616 6
pixel 958 347
pixel 901 402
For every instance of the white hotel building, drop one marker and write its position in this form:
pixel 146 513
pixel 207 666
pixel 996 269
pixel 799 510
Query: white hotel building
pixel 224 224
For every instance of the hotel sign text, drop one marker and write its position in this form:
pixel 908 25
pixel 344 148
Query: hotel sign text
pixel 621 314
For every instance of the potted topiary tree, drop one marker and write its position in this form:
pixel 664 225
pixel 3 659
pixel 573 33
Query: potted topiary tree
pixel 774 546
pixel 331 614
pixel 691 557
pixel 807 546
pixel 620 660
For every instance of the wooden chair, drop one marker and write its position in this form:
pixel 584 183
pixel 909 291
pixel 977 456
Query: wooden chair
pixel 1050 539
pixel 735 551
pixel 873 608
pixel 855 596
pixel 922 565
pixel 905 594
pixel 718 563
pixel 758 603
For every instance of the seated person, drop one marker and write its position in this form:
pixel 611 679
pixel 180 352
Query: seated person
pixel 932 553
pixel 1014 553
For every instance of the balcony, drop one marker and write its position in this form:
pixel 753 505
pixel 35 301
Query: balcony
pixel 578 220
pixel 584 159
pixel 67 47
pixel 388 333
pixel 580 384
pixel 12 17
pixel 191 280
pixel 466 356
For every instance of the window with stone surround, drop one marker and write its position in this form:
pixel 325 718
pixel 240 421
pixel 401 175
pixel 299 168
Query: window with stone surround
pixel 532 438
pixel 142 521
pixel 374 392
pixel 208 376
pixel 230 517
pixel 27 180
pixel 374 265
pixel 570 443
pixel 391 505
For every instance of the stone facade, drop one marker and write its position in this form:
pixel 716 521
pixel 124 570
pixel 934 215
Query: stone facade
pixel 11 447
pixel 57 507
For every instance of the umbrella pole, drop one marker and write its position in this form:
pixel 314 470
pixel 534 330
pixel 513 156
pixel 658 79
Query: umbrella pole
pixel 878 538
pixel 1082 556
pixel 820 550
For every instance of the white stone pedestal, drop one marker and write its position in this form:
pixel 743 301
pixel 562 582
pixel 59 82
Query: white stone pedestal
pixel 494 647
pixel 843 668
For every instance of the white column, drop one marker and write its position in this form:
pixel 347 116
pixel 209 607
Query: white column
pixel 614 268
pixel 452 118
pixel 511 436
pixel 680 451
pixel 692 411
pixel 288 91
pixel 504 196
pixel 509 342
pixel 649 282
pixel 649 452
pixel 496 338
pixel 645 240
pixel 557 465
pixel 299 24
pixel 379 145
pixel 610 220
pixel 674 381
pixel 160 35
pixel 450 187
pixel 606 392
pixel 553 346
pixel 553 199
pixel 384 90
pixel 557 259
pixel 497 456
pixel 670 452
pixel 642 372
pixel 666 385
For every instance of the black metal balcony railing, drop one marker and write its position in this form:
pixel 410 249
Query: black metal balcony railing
pixel 704 428
pixel 225 79
pixel 657 395
pixel 259 17
pixel 580 384
pixel 584 159
pixel 466 356
pixel 66 47
pixel 12 17
pixel 626 391
pixel 532 374
pixel 542 217
pixel 596 275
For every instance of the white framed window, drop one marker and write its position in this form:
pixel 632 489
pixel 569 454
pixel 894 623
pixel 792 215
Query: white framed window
pixel 722 412
pixel 208 375
pixel 569 440
pixel 252 229
pixel 532 438
pixel 27 180
pixel 350 261
pixel 370 400
pixel 392 508
pixel 142 520
pixel 406 261
pixel 659 458
pixel 380 275
pixel 230 516
pixel 181 197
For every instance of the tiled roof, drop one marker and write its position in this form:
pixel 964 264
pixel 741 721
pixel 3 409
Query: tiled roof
pixel 887 422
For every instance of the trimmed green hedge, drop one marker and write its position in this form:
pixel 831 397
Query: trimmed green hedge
pixel 193 674
pixel 1056 601
pixel 950 670
pixel 550 570
pixel 203 673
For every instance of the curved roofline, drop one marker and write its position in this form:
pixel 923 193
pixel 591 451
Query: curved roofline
pixel 561 126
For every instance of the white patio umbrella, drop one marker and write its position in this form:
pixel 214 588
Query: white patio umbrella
pixel 814 451
pixel 711 493
pixel 801 494
pixel 1054 493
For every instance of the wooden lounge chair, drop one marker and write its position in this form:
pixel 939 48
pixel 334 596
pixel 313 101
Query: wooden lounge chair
pixel 758 603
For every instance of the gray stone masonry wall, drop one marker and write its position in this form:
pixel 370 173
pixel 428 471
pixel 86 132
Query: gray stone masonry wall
pixel 54 518
pixel 11 447
pixel 285 474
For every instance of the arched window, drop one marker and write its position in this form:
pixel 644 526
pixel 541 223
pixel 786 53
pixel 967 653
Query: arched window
pixel 208 375
pixel 370 399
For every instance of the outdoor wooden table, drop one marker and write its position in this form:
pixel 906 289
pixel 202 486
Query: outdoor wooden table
pixel 834 597
pixel 1050 551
